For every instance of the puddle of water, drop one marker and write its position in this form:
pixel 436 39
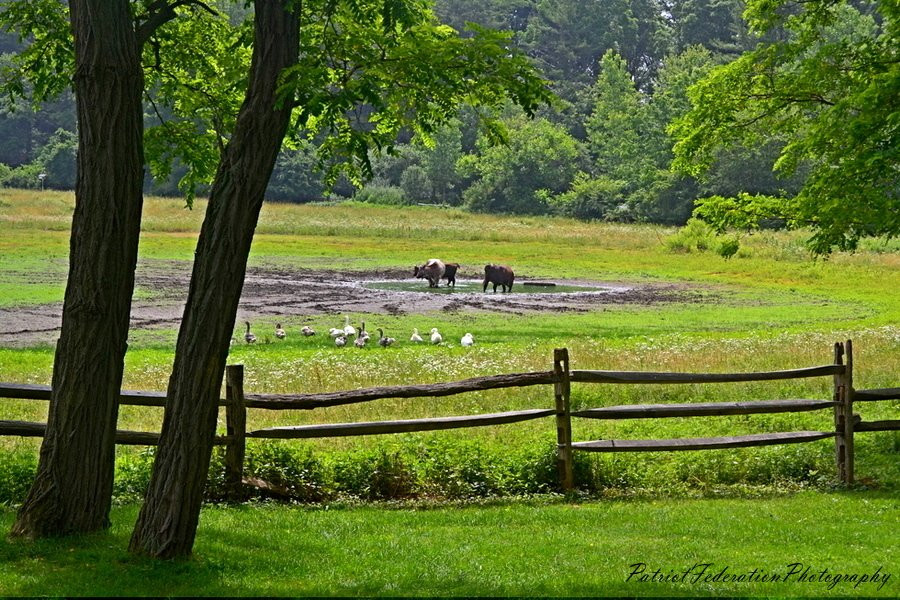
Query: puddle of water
pixel 470 286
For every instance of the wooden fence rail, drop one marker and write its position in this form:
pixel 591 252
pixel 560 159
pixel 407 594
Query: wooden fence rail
pixel 648 377
pixel 236 403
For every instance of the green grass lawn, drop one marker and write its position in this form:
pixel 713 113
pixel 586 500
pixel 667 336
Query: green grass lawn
pixel 545 547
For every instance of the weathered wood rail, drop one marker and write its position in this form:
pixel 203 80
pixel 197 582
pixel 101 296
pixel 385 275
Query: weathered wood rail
pixel 236 403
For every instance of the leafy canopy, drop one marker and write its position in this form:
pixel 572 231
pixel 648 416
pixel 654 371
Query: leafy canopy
pixel 829 87
pixel 368 69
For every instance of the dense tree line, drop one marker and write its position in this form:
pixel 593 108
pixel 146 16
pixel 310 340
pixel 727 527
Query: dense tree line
pixel 621 71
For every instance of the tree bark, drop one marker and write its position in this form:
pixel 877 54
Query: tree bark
pixel 167 523
pixel 73 487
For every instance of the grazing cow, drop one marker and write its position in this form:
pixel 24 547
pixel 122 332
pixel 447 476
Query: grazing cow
pixel 498 275
pixel 433 270
pixel 450 273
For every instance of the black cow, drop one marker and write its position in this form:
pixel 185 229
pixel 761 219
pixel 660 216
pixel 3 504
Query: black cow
pixel 450 273
pixel 498 275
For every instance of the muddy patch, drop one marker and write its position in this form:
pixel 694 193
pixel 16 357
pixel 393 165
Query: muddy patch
pixel 162 289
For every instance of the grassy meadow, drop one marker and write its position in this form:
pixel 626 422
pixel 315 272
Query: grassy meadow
pixel 546 547
pixel 770 307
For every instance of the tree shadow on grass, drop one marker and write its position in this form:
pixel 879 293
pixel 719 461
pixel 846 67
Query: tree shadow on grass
pixel 99 564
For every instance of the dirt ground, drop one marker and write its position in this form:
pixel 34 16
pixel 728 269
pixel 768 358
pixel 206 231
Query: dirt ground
pixel 162 289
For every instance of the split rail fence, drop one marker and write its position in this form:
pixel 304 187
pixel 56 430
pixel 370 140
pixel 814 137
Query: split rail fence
pixel 236 403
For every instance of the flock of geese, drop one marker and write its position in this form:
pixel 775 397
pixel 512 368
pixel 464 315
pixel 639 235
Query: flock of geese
pixel 341 335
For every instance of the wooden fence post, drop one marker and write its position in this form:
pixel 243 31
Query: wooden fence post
pixel 849 419
pixel 563 419
pixel 843 413
pixel 235 428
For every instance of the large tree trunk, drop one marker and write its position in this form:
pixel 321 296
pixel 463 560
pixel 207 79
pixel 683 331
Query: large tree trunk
pixel 73 487
pixel 167 523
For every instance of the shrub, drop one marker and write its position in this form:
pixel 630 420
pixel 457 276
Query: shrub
pixel 25 177
pixel 695 236
pixel 592 198
pixel 459 470
pixel 17 471
pixel 728 247
pixel 376 193
pixel 377 474
pixel 133 475
pixel 58 160
pixel 294 469
pixel 416 185
pixel 532 471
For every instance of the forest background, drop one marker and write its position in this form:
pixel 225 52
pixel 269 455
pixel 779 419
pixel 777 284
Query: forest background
pixel 620 68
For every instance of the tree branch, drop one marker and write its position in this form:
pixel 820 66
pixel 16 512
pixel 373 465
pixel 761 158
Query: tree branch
pixel 161 12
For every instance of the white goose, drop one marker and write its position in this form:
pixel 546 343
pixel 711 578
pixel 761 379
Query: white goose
pixel 415 336
pixel 348 328
pixel 436 336
pixel 467 340
pixel 335 332
pixel 249 337
pixel 340 341
pixel 279 332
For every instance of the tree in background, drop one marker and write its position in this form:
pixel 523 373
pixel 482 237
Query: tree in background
pixel 439 160
pixel 622 141
pixel 712 24
pixel 296 176
pixel 672 196
pixel 829 86
pixel 538 161
pixel 509 15
pixel 568 37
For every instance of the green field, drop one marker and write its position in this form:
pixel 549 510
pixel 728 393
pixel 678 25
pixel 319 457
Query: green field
pixel 771 307
pixel 524 548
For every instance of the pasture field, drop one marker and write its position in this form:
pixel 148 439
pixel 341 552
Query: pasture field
pixel 771 307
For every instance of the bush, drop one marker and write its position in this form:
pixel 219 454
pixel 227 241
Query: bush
pixel 133 475
pixel 58 159
pixel 287 466
pixel 378 474
pixel 295 177
pixel 461 469
pixel 728 247
pixel 17 471
pixel 416 185
pixel 24 177
pixel 376 193
pixel 592 198
pixel 695 236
